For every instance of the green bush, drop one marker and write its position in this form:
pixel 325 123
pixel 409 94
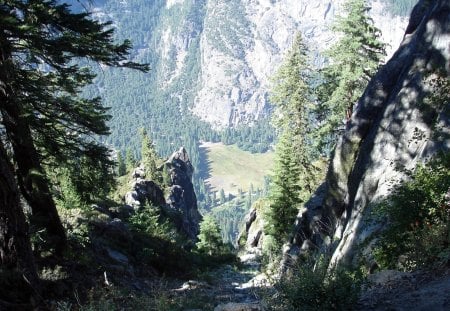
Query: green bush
pixel 149 220
pixel 271 252
pixel 418 215
pixel 159 297
pixel 311 286
pixel 210 240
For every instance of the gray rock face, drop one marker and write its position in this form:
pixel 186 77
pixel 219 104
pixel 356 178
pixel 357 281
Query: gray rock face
pixel 143 191
pixel 115 228
pixel 234 306
pixel 117 256
pixel 217 56
pixel 243 43
pixel 181 204
pixel 393 127
pixel 182 198
pixel 252 238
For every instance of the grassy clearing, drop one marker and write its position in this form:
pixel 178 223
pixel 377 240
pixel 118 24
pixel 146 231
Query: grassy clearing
pixel 231 168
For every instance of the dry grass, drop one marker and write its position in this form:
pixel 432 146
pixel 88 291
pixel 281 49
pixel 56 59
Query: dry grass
pixel 231 168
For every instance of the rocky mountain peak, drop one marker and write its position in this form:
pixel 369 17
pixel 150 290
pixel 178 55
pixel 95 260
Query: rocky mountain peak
pixel 181 202
pixel 182 198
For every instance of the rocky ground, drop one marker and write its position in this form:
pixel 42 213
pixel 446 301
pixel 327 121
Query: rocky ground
pixel 228 288
pixel 398 291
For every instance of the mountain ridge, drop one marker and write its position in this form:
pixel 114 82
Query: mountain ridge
pixel 210 59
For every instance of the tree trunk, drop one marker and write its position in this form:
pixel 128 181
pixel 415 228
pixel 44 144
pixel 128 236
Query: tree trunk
pixel 16 258
pixel 31 177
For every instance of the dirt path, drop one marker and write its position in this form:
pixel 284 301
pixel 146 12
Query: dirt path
pixel 227 288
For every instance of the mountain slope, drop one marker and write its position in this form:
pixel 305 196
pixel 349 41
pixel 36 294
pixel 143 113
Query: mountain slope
pixel 210 58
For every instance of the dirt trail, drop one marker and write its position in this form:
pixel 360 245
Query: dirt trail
pixel 227 286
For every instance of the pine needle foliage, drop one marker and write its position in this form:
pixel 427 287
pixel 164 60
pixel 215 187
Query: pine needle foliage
pixel 210 239
pixel 418 214
pixel 353 60
pixel 44 117
pixel 293 101
pixel 121 166
pixel 150 159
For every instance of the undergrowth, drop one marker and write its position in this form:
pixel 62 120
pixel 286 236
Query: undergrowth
pixel 418 214
pixel 311 286
pixel 159 298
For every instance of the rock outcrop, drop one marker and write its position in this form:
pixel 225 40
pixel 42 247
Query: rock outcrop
pixel 251 238
pixel 181 203
pixel 401 120
pixel 144 191
pixel 182 198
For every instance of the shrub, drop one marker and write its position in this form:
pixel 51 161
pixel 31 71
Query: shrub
pixel 418 216
pixel 311 286
pixel 148 220
pixel 210 239
pixel 271 252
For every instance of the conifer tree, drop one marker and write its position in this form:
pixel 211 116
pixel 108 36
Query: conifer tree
pixel 210 239
pixel 353 60
pixel 130 161
pixel 292 99
pixel 17 266
pixel 285 190
pixel 68 195
pixel 222 196
pixel 121 167
pixel 150 159
pixel 43 115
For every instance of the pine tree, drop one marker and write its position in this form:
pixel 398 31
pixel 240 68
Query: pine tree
pixel 290 92
pixel 150 159
pixel 291 183
pixel 92 178
pixel 354 59
pixel 130 161
pixel 214 198
pixel 222 196
pixel 121 167
pixel 285 191
pixel 43 115
pixel 17 266
pixel 240 193
pixel 68 194
pixel 210 239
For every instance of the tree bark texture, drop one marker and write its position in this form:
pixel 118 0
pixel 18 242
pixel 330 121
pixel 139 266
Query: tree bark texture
pixel 30 174
pixel 16 257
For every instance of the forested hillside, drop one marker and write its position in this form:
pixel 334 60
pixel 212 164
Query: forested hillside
pixel 210 67
pixel 234 155
pixel 197 65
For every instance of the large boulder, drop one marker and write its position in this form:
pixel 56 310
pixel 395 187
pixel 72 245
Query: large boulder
pixel 182 198
pixel 143 191
pixel 251 238
pixel 401 120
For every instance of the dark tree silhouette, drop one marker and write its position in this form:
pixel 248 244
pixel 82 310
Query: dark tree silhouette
pixel 42 44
